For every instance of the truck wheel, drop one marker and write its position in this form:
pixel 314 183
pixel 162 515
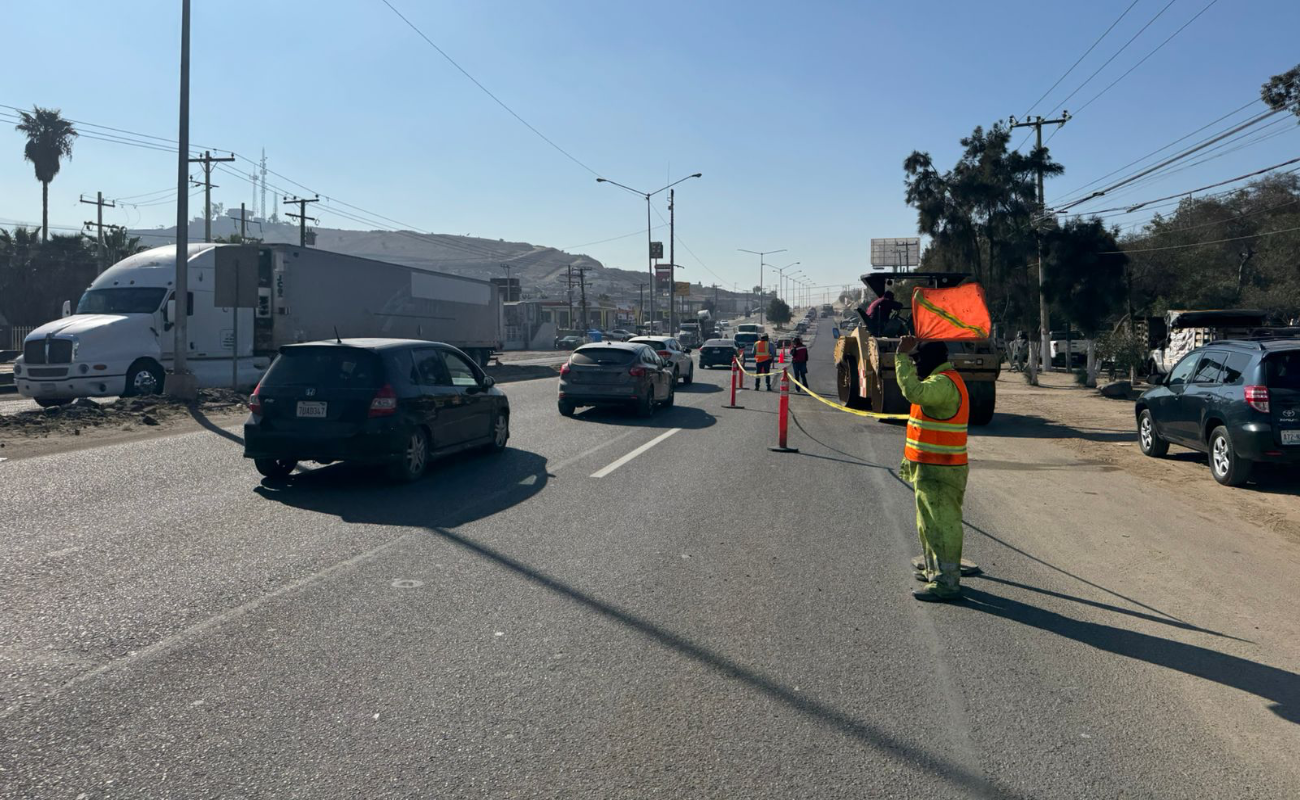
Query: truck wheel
pixel 846 380
pixel 275 467
pixel 144 377
pixel 983 397
pixel 1226 466
pixel 892 401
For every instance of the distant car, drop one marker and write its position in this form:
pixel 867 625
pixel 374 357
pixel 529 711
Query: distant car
pixel 620 335
pixel 1237 400
pixel 717 353
pixel 746 340
pixel 616 373
pixel 570 342
pixel 395 402
pixel 670 350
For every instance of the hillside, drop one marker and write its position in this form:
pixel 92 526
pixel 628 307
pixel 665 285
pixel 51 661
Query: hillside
pixel 542 271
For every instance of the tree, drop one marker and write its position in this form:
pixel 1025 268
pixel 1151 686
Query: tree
pixel 49 141
pixel 36 277
pixel 1283 91
pixel 778 312
pixel 118 245
pixel 1085 279
pixel 980 217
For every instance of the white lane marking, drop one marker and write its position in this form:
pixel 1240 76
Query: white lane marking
pixel 602 472
pixel 568 461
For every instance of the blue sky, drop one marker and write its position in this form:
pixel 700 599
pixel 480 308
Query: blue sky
pixel 798 114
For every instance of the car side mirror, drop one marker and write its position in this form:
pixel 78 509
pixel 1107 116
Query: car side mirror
pixel 67 308
pixel 1157 380
pixel 169 311
pixel 489 382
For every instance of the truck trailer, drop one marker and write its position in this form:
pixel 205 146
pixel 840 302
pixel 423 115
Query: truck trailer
pixel 120 341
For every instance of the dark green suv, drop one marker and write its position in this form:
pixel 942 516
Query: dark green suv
pixel 1237 400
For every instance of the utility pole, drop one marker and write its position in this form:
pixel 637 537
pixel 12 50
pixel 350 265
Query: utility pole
pixel 207 161
pixel 640 300
pixel 181 384
pixel 100 203
pixel 582 285
pixel 570 320
pixel 672 261
pixel 243 224
pixel 1037 124
pixel 301 216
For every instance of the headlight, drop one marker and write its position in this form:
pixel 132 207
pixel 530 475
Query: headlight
pixel 76 345
pixel 84 368
pixel 18 369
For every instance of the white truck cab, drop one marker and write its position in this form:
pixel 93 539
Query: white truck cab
pixel 120 339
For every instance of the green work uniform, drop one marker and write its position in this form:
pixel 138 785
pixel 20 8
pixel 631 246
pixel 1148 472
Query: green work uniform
pixel 940 489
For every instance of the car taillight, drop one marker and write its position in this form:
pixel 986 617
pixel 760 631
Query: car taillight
pixel 564 370
pixel 664 353
pixel 637 372
pixel 1257 398
pixel 255 401
pixel 384 403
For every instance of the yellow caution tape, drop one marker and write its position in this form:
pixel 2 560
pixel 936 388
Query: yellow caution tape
pixel 854 411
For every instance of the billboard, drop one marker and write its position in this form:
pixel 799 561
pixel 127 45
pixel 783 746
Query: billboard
pixel 656 249
pixel 682 288
pixel 896 252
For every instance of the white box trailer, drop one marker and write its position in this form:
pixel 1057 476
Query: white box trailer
pixel 121 338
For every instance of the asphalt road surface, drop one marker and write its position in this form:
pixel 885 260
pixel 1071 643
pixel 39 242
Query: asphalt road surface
pixel 704 619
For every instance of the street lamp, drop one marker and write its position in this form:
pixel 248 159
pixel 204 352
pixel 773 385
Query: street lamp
pixel 781 271
pixel 760 254
pixel 649 258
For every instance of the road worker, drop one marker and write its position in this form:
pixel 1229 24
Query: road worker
pixel 799 358
pixel 934 461
pixel 763 361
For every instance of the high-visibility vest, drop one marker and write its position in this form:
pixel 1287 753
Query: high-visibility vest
pixel 762 350
pixel 939 441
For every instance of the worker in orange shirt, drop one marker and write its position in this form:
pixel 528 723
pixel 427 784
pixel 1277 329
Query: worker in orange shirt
pixel 763 361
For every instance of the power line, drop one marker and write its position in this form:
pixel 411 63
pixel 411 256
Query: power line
pixel 1112 58
pixel 1081 58
pixel 1131 209
pixel 1200 244
pixel 452 61
pixel 1148 55
pixel 611 239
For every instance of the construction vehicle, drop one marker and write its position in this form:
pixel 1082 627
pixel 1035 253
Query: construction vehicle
pixel 864 356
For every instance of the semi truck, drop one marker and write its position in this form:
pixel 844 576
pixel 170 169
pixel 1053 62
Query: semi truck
pixel 120 340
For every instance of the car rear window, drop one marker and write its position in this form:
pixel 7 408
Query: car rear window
pixel 1283 370
pixel 655 344
pixel 720 343
pixel 603 356
pixel 326 368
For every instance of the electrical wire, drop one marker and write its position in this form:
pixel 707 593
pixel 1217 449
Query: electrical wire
pixel 1144 58
pixel 1200 244
pixel 498 100
pixel 612 238
pixel 1113 57
pixel 1080 59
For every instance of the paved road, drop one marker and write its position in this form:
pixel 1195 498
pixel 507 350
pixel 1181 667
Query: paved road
pixel 707 619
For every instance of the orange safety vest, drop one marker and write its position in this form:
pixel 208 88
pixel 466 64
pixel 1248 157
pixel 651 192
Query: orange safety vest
pixel 762 350
pixel 939 441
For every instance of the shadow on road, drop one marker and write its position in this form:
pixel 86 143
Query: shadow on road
pixel 699 388
pixel 1027 426
pixel 823 713
pixel 687 417
pixel 453 492
pixel 212 427
pixel 1270 683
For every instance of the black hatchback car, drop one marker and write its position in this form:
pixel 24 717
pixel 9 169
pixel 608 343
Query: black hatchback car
pixel 395 402
pixel 718 353
pixel 1237 400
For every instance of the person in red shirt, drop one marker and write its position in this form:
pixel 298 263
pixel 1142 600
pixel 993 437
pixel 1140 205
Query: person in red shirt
pixel 799 357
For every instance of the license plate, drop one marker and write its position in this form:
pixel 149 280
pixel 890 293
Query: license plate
pixel 47 387
pixel 1290 437
pixel 310 408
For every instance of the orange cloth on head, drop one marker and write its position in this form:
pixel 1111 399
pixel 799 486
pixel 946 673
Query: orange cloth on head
pixel 950 314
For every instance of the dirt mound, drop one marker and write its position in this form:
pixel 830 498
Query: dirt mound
pixel 124 413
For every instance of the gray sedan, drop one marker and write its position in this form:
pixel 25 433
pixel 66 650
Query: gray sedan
pixel 616 373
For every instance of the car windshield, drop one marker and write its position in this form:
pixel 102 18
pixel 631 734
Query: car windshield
pixel 325 368
pixel 125 300
pixel 1284 370
pixel 746 339
pixel 603 356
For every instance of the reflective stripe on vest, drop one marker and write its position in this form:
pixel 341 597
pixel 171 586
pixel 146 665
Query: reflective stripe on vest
pixel 939 441
pixel 762 351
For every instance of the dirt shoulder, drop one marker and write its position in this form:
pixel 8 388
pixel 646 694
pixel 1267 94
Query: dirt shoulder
pixel 1103 431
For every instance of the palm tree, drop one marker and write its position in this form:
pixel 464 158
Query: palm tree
pixel 118 245
pixel 49 140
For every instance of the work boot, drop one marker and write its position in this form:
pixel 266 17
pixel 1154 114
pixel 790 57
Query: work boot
pixel 933 593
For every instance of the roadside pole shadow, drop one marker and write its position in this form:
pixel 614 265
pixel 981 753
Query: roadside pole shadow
pixel 1280 687
pixel 212 427
pixel 860 730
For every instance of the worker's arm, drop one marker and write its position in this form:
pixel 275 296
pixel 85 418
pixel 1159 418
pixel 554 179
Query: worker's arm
pixel 937 395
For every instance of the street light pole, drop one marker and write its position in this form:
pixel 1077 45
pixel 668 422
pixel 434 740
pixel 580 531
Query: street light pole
pixel 761 254
pixel 654 289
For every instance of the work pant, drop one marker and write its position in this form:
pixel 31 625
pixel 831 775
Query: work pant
pixel 940 491
pixel 801 373
pixel 763 368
